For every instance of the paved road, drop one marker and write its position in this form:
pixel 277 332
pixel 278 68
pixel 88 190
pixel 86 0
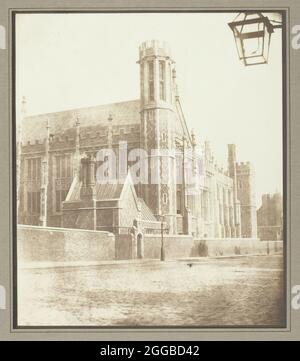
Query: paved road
pixel 239 291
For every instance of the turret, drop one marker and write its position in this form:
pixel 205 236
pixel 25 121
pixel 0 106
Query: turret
pixel 232 174
pixel 246 195
pixel 156 69
pixel 158 118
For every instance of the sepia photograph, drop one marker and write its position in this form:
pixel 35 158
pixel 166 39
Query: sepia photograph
pixel 149 169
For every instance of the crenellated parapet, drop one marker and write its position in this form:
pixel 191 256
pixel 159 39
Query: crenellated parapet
pixel 154 48
pixel 88 137
pixel 244 168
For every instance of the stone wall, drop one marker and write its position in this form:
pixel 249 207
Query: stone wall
pixel 174 246
pixel 124 246
pixel 37 244
pixel 186 246
pixel 235 246
pixel 271 233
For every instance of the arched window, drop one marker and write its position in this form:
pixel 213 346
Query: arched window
pixel 151 79
pixel 164 136
pixel 178 201
pixel 162 76
pixel 165 198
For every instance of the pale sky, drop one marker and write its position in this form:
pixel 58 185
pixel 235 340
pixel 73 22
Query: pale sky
pixel 66 61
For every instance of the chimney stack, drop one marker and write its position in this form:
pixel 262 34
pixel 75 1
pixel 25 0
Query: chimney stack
pixel 87 190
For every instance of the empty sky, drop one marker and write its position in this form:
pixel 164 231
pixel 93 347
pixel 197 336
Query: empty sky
pixel 65 61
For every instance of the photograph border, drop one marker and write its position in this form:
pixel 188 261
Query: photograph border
pixel 13 150
pixel 291 169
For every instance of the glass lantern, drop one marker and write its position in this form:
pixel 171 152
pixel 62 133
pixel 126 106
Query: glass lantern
pixel 252 33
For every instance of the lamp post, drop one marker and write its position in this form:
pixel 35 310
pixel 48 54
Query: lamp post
pixel 162 229
pixel 252 34
pixel 162 249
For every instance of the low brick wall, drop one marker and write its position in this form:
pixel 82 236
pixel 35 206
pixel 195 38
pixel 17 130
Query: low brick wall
pixel 48 244
pixel 235 246
pixel 124 246
pixel 186 246
pixel 174 246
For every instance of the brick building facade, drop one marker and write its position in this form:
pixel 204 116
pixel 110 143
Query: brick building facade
pixel 57 165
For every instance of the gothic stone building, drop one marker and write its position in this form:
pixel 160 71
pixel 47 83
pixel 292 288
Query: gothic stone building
pixel 270 217
pixel 56 166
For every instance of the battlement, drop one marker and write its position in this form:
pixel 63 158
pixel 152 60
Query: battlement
pixel 156 44
pixel 39 144
pixel 269 197
pixel 34 143
pixel 88 135
pixel 244 167
pixel 154 48
pixel 241 164
pixel 34 146
pixel 222 171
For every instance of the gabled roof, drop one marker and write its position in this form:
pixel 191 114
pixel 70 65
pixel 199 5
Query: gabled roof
pixel 103 191
pixel 146 213
pixel 123 113
pixel 106 192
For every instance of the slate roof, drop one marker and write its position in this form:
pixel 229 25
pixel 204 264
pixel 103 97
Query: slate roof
pixel 146 212
pixel 123 113
pixel 108 192
pixel 103 191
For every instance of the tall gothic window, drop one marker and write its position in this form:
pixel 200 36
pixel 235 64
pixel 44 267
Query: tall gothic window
pixel 63 166
pixel 60 197
pixel 63 179
pixel 33 175
pixel 142 76
pixel 179 202
pixel 165 198
pixel 162 76
pixel 151 79
pixel 204 204
pixel 33 202
pixel 34 168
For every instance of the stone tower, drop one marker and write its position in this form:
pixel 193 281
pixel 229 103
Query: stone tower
pixel 232 171
pixel 246 195
pixel 158 118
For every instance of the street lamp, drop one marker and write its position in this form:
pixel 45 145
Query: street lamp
pixel 162 229
pixel 252 34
